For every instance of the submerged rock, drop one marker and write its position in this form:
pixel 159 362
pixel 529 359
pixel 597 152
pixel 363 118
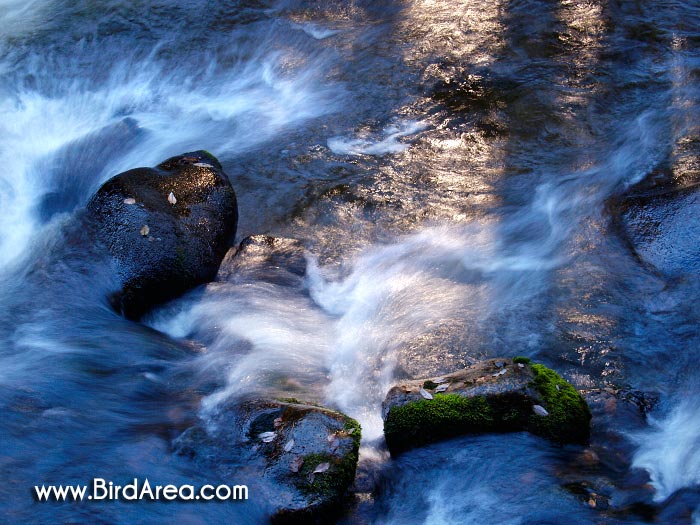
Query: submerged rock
pixel 601 475
pixel 662 226
pixel 485 397
pixel 308 453
pixel 167 227
pixel 264 258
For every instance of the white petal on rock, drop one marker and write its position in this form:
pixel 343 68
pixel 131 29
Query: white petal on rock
pixel 520 365
pixel 145 230
pixel 267 437
pixel 425 393
pixel 171 198
pixel 130 200
pixel 442 388
pixel 320 469
pixel 500 373
pixel 202 165
pixel 440 380
pixel 539 410
pixel 289 445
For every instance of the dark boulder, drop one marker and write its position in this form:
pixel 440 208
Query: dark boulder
pixel 498 395
pixel 167 228
pixel 305 453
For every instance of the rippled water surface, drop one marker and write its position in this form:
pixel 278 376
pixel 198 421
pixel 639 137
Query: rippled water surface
pixel 454 171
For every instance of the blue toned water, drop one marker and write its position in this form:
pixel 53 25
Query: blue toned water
pixel 454 171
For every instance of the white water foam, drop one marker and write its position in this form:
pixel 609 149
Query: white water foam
pixel 19 16
pixel 357 326
pixel 225 112
pixel 366 145
pixel 670 450
pixel 317 31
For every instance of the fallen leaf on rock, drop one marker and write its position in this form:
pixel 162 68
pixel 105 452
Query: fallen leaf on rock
pixel 267 437
pixel 171 198
pixel 145 230
pixel 289 445
pixel 333 441
pixel 442 388
pixel 320 469
pixel 130 200
pixel 296 464
pixel 425 393
pixel 539 410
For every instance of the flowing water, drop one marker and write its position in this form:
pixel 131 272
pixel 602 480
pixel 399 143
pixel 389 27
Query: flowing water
pixel 449 168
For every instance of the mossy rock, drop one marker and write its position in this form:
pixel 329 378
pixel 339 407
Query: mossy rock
pixel 288 440
pixel 498 395
pixel 569 417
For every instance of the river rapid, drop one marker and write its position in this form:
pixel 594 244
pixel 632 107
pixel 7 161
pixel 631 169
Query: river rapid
pixel 453 171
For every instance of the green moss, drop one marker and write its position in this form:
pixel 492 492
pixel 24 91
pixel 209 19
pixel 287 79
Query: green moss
pixel 521 359
pixel 448 415
pixel 426 421
pixel 430 385
pixel 569 417
pixel 292 400
pixel 353 428
pixel 335 481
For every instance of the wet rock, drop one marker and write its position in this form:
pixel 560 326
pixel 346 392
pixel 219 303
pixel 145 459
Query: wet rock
pixel 163 248
pixel 662 227
pixel 602 475
pixel 485 398
pixel 264 258
pixel 307 453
